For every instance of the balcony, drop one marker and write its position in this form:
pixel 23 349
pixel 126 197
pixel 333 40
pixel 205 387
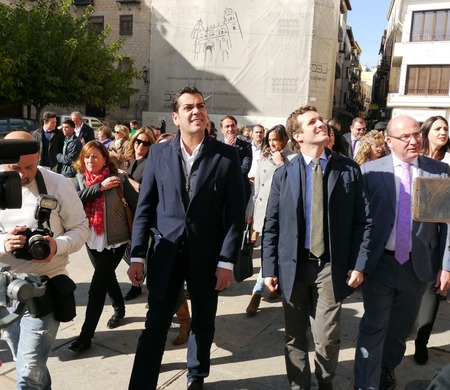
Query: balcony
pixel 83 2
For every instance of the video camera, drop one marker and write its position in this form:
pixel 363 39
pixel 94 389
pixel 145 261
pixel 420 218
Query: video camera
pixel 20 287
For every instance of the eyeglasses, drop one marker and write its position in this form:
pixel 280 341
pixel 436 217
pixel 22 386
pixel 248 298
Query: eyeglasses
pixel 145 143
pixel 117 131
pixel 407 138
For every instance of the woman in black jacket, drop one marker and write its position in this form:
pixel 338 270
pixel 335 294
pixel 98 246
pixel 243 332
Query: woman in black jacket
pixel 99 183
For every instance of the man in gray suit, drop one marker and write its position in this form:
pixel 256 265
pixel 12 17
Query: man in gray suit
pixel 357 131
pixel 314 281
pixel 404 257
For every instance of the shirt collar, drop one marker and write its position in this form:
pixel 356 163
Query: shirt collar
pixel 308 159
pixel 397 162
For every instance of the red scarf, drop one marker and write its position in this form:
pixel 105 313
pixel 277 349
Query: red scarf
pixel 95 209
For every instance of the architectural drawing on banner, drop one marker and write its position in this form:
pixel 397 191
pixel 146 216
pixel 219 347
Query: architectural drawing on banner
pixel 215 42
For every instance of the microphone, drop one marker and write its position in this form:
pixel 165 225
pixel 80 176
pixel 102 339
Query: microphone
pixel 12 149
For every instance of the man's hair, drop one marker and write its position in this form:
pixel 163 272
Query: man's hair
pixel 260 126
pixel 228 117
pixel 69 122
pixel 78 114
pixel 134 122
pixel 358 120
pixel 190 90
pixel 48 115
pixel 292 124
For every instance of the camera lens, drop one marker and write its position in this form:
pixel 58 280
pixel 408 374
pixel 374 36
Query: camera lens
pixel 39 247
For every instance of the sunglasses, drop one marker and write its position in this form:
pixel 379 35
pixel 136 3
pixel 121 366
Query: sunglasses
pixel 145 143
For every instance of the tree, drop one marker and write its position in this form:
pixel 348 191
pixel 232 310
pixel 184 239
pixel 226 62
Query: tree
pixel 49 56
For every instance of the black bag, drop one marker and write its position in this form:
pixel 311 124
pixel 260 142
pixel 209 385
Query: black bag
pixel 62 289
pixel 243 268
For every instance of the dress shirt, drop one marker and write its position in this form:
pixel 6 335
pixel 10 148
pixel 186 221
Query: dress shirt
pixel 256 150
pixel 390 245
pixel 308 168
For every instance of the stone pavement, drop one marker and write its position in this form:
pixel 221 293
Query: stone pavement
pixel 247 352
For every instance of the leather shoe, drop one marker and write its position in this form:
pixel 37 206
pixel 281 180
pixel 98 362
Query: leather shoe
pixel 194 386
pixel 78 346
pixel 326 386
pixel 114 321
pixel 387 381
pixel 134 292
pixel 421 353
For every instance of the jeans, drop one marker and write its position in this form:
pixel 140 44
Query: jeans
pixel 31 340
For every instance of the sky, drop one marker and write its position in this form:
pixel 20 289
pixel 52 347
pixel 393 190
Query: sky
pixel 368 19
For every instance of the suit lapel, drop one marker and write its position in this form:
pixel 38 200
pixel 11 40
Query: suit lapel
pixel 208 162
pixel 297 178
pixel 174 163
pixel 387 165
pixel 333 171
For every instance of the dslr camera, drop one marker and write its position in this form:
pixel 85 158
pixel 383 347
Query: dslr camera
pixel 36 246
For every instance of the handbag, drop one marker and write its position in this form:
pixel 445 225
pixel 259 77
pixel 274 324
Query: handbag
pixel 243 268
pixel 128 210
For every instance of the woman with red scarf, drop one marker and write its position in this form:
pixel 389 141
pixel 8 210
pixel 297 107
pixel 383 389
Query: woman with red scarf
pixel 99 181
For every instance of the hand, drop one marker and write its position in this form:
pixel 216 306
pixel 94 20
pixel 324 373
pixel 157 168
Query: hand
pixel 136 273
pixel 110 182
pixel 53 248
pixel 249 219
pixel 277 157
pixel 271 282
pixel 355 278
pixel 13 240
pixel 442 282
pixel 224 278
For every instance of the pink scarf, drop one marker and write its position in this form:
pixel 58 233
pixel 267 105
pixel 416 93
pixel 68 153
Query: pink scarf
pixel 95 209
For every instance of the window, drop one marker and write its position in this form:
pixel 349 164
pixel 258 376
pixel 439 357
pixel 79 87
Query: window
pixel 126 25
pixel 428 80
pixel 430 26
pixel 98 22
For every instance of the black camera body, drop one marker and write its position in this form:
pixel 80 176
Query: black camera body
pixel 36 246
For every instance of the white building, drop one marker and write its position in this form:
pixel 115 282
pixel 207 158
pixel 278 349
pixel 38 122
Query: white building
pixel 419 77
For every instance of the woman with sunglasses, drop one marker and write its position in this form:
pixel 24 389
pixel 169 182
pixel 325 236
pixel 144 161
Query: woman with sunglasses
pixel 135 158
pixel 119 145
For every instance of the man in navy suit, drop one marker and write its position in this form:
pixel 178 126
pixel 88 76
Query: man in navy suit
pixel 400 263
pixel 313 283
pixel 191 202
pixel 84 132
pixel 228 126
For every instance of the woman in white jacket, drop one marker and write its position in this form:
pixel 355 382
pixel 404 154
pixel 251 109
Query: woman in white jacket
pixel 275 152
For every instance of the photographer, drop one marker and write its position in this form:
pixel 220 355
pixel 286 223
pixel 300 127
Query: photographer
pixel 31 338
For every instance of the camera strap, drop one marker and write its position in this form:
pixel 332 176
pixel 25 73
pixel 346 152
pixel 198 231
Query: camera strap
pixel 41 183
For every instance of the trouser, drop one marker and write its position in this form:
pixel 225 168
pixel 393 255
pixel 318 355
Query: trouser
pixel 150 348
pixel 427 313
pixel 312 300
pixel 392 296
pixel 104 281
pixel 31 340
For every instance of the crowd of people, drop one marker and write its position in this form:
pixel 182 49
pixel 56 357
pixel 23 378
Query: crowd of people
pixel 331 210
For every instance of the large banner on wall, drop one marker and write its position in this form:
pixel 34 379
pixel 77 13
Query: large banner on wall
pixel 249 58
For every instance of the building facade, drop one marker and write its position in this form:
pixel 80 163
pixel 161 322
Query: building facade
pixel 417 49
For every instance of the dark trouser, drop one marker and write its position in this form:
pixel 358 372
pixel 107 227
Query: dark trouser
pixel 104 281
pixel 150 348
pixel 392 296
pixel 427 313
pixel 312 296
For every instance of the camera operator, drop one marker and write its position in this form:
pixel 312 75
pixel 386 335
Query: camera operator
pixel 31 338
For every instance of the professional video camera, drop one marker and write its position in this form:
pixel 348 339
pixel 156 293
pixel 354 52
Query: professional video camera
pixel 20 287
pixel 10 185
pixel 37 247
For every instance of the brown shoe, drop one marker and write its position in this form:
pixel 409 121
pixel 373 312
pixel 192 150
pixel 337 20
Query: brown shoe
pixel 253 306
pixel 273 295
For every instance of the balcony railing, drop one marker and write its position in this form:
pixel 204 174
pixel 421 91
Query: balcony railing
pixel 425 91
pixel 83 2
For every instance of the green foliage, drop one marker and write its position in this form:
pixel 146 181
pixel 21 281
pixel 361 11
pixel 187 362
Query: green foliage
pixel 49 56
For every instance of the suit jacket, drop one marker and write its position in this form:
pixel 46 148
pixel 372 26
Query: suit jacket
pixel 347 223
pixel 245 156
pixel 86 133
pixel 55 146
pixel 428 238
pixel 210 222
pixel 348 138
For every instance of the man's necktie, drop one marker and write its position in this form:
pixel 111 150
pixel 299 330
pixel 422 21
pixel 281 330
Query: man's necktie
pixel 355 141
pixel 403 230
pixel 317 247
